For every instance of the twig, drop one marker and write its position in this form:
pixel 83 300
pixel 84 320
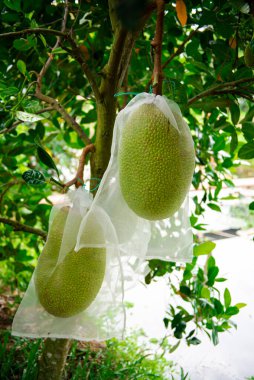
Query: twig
pixel 14 125
pixel 180 48
pixel 67 117
pixel 157 46
pixel 234 92
pixel 58 40
pixel 17 226
pixel 223 86
pixel 34 31
pixel 78 180
pixel 50 58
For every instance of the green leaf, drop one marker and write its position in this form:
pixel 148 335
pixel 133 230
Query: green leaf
pixel 33 177
pixel 215 338
pixel 235 113
pixel 21 44
pixel 218 306
pixel 194 341
pixel 32 40
pixel 59 50
pixel 228 182
pixel 204 248
pixel 90 117
pixel 13 4
pixel 21 66
pixel 8 91
pixel 31 106
pixel 166 322
pixel 185 290
pixel 173 348
pixel 227 298
pixel 46 159
pixel 246 152
pixel 249 116
pixel 205 293
pixel 29 117
pixel 251 206
pixel 232 310
pixel 43 40
pixel 233 142
pixel 221 279
pixel 248 130
pixel 211 262
pixel 240 305
pixel 212 273
pixel 214 207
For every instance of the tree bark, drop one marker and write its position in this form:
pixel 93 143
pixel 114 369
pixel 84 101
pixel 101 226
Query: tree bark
pixel 106 114
pixel 52 361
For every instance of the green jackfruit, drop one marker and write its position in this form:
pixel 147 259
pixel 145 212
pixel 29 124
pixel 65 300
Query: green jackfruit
pixel 156 163
pixel 70 287
pixel 249 54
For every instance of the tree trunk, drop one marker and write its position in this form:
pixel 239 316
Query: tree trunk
pixel 52 361
pixel 106 113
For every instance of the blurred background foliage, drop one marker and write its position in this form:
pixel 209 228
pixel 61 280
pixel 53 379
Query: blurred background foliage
pixel 204 72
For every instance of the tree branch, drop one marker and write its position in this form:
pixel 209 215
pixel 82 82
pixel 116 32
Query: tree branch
pixel 180 48
pixel 235 92
pixel 51 57
pixel 67 117
pixel 157 46
pixel 17 226
pixel 78 180
pixel 223 86
pixel 34 31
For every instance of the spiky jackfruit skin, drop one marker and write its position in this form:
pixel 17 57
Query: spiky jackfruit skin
pixel 156 163
pixel 71 286
pixel 49 256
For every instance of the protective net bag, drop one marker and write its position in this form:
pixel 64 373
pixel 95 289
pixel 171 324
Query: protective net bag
pixel 98 248
pixel 76 290
pixel 141 239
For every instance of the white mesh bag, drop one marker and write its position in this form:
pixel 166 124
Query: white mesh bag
pixel 139 239
pixel 105 316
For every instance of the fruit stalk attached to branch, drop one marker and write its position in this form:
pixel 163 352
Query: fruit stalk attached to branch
pixel 78 180
pixel 157 46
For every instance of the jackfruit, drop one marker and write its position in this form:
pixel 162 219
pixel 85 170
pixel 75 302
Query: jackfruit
pixel 69 287
pixel 156 163
pixel 249 54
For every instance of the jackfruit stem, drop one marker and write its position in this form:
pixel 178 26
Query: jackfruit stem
pixel 78 180
pixel 157 46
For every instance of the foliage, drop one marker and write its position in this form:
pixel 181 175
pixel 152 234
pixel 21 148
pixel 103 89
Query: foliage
pixel 124 360
pixel 204 308
pixel 204 72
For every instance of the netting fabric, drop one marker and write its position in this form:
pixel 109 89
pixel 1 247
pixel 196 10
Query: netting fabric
pixel 121 249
